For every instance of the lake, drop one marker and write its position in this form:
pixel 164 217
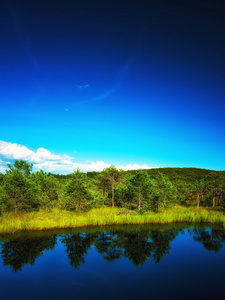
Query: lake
pixel 178 261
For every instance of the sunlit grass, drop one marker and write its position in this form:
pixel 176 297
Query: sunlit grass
pixel 46 220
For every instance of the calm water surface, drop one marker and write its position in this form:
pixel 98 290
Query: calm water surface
pixel 126 262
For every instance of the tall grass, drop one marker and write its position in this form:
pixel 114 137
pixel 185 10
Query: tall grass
pixel 44 220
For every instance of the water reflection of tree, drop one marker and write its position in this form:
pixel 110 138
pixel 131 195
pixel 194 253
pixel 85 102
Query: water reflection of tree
pixel 107 245
pixel 77 246
pixel 211 239
pixel 137 247
pixel 161 243
pixel 21 251
pixel 140 246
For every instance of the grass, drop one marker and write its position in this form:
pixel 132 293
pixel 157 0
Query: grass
pixel 54 219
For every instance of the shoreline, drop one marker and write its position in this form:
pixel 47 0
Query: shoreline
pixel 11 223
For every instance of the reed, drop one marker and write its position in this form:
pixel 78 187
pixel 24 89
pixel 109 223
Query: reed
pixel 45 220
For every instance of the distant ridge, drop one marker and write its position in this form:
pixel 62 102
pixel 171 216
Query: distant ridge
pixel 187 174
pixel 184 173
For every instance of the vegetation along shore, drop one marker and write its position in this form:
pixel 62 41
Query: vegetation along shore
pixel 40 201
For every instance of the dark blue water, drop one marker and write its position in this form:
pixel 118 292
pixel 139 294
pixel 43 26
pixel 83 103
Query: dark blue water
pixel 132 262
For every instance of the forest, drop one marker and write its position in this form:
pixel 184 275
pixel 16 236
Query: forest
pixel 22 190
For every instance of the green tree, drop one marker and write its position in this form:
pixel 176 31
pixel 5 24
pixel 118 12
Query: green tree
pixel 214 187
pixel 199 190
pixel 120 193
pixel 1 179
pixel 140 188
pixel 47 186
pixel 112 174
pixel 2 200
pixel 20 192
pixel 76 189
pixel 103 182
pixel 181 190
pixel 99 187
pixel 163 192
pixel 22 166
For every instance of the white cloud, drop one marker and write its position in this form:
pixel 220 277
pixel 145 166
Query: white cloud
pixel 48 162
pixel 94 166
pixel 16 151
pixel 133 167
pixel 67 166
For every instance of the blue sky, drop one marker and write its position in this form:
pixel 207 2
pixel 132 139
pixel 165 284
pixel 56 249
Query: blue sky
pixel 112 82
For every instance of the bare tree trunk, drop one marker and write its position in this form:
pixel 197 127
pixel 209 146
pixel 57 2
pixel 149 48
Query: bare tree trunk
pixel 214 201
pixel 198 200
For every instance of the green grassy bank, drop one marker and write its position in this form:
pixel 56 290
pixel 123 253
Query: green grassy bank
pixel 44 220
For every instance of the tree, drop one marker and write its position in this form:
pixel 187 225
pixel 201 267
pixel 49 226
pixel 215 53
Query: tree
pixel 102 183
pixel 102 180
pixel 22 166
pixel 77 191
pixel 120 193
pixel 140 188
pixel 214 186
pixel 181 190
pixel 1 179
pixel 112 174
pixel 198 191
pixel 47 186
pixel 2 200
pixel 163 192
pixel 20 192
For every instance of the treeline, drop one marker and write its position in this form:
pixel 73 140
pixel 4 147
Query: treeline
pixel 155 189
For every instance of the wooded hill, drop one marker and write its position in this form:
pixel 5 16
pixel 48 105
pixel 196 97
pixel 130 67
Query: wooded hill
pixel 186 174
pixel 152 189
